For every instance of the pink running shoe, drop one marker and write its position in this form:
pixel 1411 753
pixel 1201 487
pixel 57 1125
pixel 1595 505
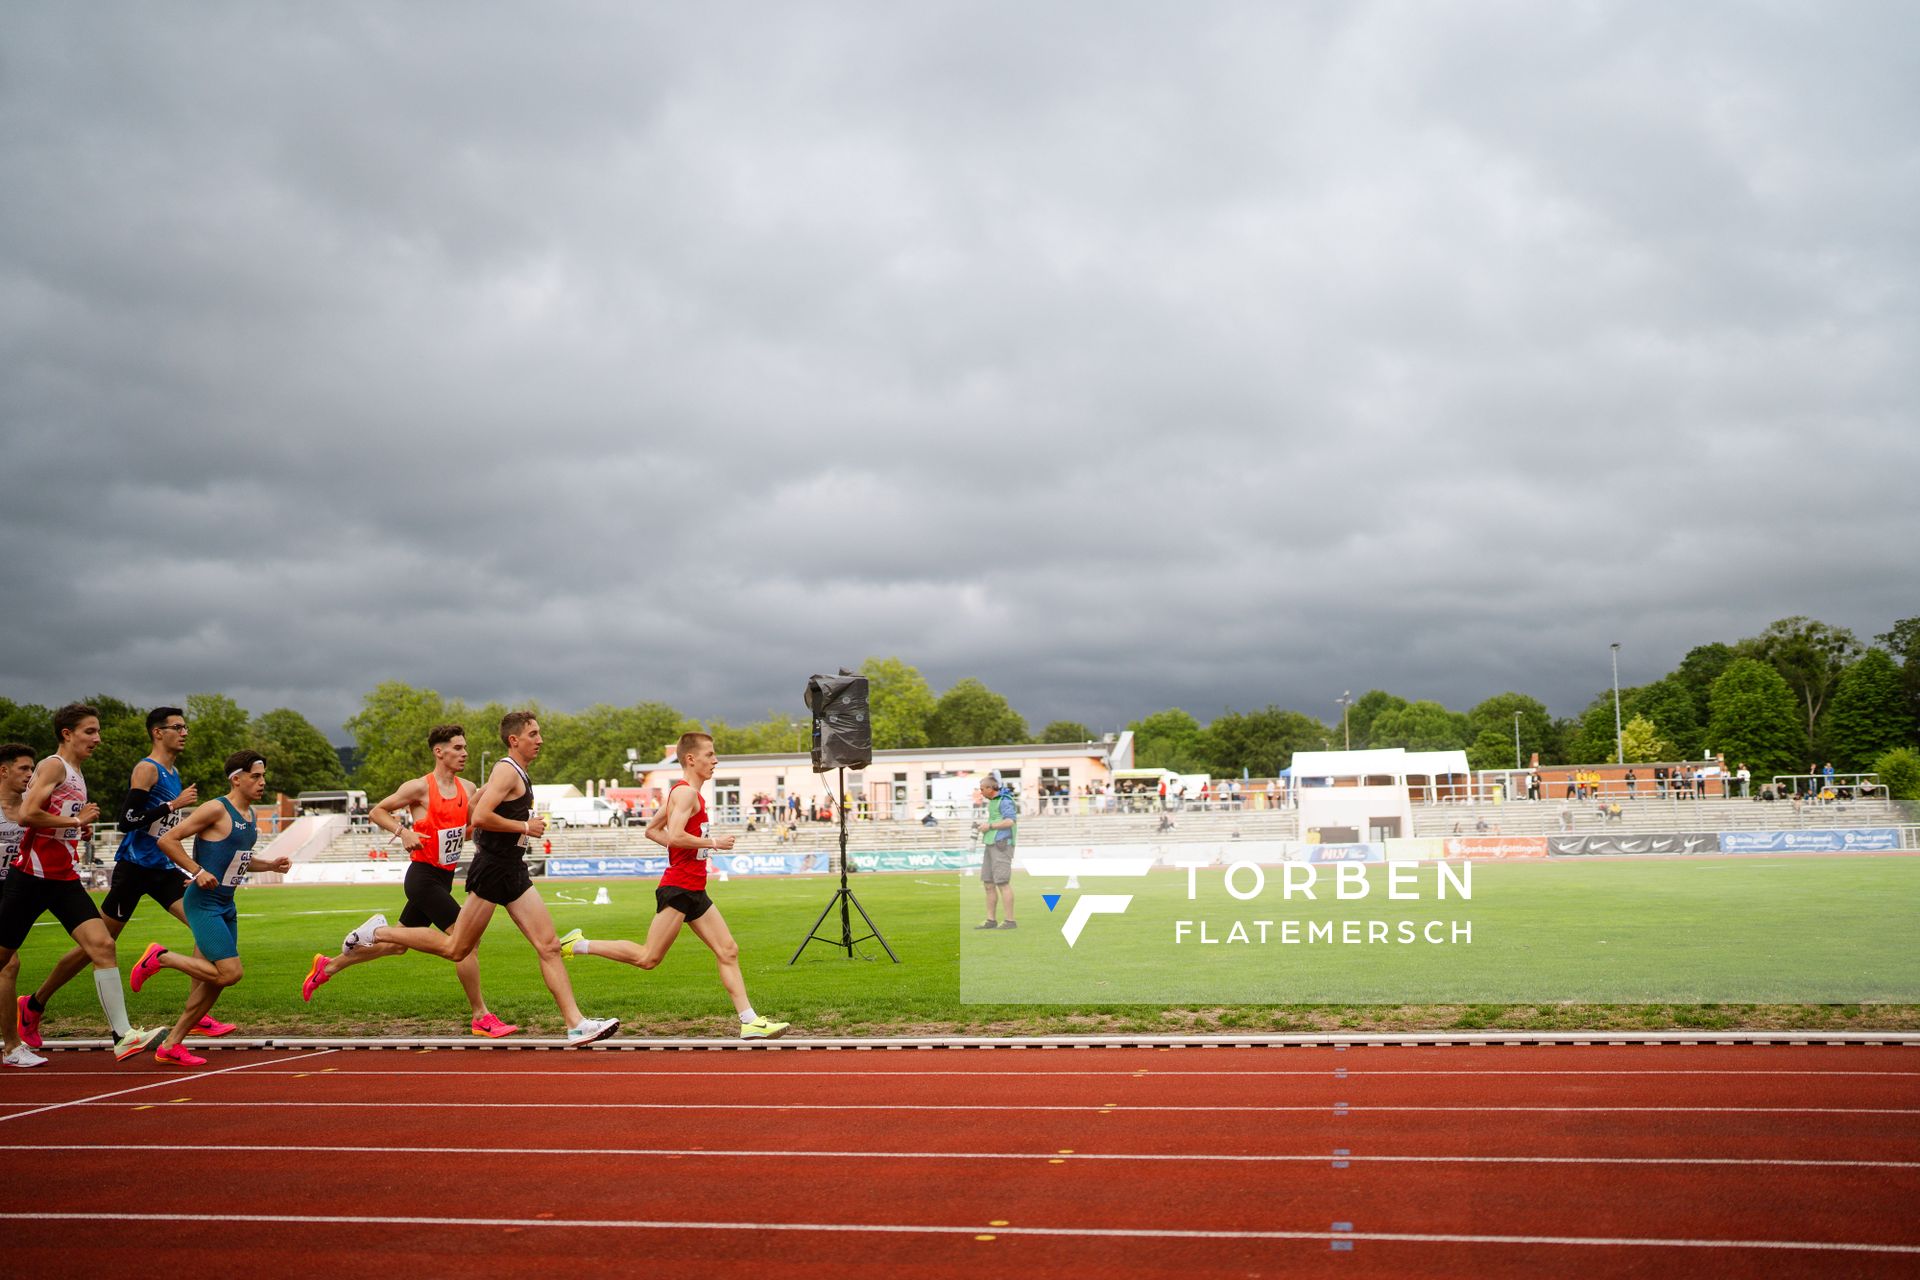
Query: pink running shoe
pixel 178 1055
pixel 491 1027
pixel 211 1026
pixel 29 1026
pixel 316 978
pixel 146 966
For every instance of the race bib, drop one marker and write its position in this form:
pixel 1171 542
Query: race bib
pixel 450 841
pixel 237 869
pixel 160 826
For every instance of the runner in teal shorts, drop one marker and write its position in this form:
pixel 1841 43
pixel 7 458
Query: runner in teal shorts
pixel 223 833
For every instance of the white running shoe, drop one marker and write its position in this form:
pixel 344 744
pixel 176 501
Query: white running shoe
pixel 591 1029
pixel 21 1056
pixel 363 936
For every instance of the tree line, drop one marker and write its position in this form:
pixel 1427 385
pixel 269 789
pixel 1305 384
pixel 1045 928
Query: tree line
pixel 1800 692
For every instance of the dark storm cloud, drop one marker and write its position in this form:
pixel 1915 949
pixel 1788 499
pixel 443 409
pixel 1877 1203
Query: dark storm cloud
pixel 1119 355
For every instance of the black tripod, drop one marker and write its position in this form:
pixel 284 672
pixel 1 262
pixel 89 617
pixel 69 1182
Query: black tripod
pixel 844 897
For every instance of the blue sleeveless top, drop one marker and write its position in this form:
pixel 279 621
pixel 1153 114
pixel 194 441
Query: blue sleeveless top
pixel 227 858
pixel 141 845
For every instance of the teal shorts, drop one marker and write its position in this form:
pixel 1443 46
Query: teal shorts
pixel 215 923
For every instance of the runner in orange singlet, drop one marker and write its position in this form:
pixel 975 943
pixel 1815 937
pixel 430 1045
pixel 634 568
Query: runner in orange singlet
pixel 439 805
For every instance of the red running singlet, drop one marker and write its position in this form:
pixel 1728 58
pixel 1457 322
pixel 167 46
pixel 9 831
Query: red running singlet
pixel 686 869
pixel 50 852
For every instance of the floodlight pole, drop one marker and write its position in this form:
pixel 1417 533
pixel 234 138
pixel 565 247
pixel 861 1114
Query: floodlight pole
pixel 1346 700
pixel 1619 739
pixel 1516 740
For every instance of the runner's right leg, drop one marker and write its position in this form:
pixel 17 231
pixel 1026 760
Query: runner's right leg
pixel 66 969
pixel 457 944
pixel 660 935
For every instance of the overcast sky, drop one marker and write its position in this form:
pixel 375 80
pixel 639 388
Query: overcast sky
pixel 1121 355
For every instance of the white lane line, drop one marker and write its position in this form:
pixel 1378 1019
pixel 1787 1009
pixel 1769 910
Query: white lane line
pixel 99 1099
pixel 1318 1157
pixel 511 1072
pixel 706 1105
pixel 972 1229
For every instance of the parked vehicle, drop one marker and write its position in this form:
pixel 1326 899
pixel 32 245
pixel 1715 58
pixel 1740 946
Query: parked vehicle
pixel 585 811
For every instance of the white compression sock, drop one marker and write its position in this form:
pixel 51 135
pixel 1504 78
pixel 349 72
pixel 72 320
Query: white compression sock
pixel 580 947
pixel 748 1015
pixel 106 984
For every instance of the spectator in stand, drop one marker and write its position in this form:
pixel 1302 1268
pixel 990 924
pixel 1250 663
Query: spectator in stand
pixel 1826 774
pixel 1533 784
pixel 1573 785
pixel 1480 825
pixel 1632 782
pixel 1746 781
pixel 1566 816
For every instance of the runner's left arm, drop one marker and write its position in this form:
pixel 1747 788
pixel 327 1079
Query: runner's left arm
pixel 173 842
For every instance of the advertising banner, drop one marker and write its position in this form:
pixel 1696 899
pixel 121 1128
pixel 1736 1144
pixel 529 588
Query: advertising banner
pixel 1496 847
pixel 1325 853
pixel 1636 842
pixel 609 868
pixel 1165 853
pixel 347 873
pixel 1418 849
pixel 1863 839
pixel 929 860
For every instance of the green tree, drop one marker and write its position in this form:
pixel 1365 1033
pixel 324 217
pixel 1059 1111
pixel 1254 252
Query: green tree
pixel 123 740
pixel 1491 749
pixel 1868 716
pixel 1810 656
pixel 900 704
pixel 1669 704
pixel 28 724
pixel 1643 743
pixel 1419 726
pixel 1696 673
pixel 1899 771
pixel 1167 740
pixel 1496 715
pixel 1066 731
pixel 1756 718
pixel 299 757
pixel 772 735
pixel 1904 643
pixel 1593 740
pixel 390 733
pixel 1260 743
pixel 217 726
pixel 972 715
pixel 1368 707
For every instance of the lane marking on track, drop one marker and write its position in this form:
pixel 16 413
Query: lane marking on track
pixel 100 1099
pixel 1344 1073
pixel 1083 1108
pixel 876 1228
pixel 1062 1157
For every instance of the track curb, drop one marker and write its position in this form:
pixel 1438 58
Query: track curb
pixel 1287 1040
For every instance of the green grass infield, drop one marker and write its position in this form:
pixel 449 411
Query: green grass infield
pixel 1711 944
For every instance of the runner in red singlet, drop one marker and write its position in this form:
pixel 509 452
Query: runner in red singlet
pixel 45 875
pixel 681 826
pixel 440 805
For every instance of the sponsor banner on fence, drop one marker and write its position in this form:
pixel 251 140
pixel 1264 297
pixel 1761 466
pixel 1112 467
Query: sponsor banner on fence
pixel 930 860
pixel 1166 854
pixel 1865 839
pixel 1625 843
pixel 1323 853
pixel 1416 849
pixel 610 868
pixel 347 873
pixel 1496 847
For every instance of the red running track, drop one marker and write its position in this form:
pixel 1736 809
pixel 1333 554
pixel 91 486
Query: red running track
pixel 1370 1161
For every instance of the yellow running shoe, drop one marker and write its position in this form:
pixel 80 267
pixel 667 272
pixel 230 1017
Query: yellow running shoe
pixel 763 1028
pixel 567 940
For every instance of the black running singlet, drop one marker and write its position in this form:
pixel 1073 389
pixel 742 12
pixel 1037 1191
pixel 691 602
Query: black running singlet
pixel 509 844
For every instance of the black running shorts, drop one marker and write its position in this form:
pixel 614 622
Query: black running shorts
pixel 691 903
pixel 498 880
pixel 131 882
pixel 26 898
pixel 430 898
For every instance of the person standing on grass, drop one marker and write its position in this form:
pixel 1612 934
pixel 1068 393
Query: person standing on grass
pixel 16 770
pixel 223 834
pixel 505 824
pixel 45 877
pixel 439 806
pixel 681 897
pixel 153 804
pixel 996 851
